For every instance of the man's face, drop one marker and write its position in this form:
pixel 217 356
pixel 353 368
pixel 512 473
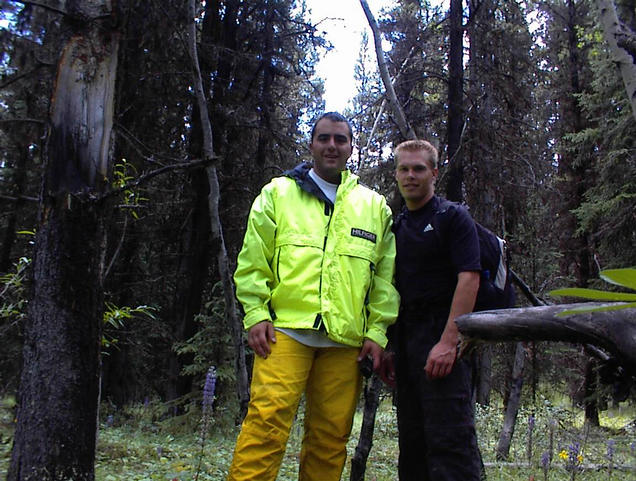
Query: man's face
pixel 415 177
pixel 330 147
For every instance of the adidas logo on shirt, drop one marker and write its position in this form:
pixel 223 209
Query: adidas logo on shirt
pixel 428 228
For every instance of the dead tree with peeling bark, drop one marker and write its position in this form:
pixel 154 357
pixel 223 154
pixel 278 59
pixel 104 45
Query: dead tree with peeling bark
pixel 55 437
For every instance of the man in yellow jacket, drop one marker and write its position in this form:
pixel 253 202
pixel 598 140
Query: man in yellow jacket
pixel 315 278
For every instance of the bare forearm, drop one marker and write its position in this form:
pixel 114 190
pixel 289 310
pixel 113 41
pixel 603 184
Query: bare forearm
pixel 463 302
pixel 443 354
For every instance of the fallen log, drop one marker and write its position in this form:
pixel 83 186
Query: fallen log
pixel 614 331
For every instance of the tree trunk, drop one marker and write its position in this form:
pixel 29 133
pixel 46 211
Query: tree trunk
pixel 59 390
pixel 574 167
pixel 365 442
pixel 590 392
pixel 400 119
pixel 454 189
pixel 265 100
pixel 231 310
pixel 482 383
pixel 622 45
pixel 512 408
pixel 479 156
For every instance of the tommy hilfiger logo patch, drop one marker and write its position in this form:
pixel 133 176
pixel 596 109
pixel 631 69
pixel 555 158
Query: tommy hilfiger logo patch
pixel 428 228
pixel 370 236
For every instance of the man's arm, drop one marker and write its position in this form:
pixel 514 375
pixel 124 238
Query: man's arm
pixel 383 300
pixel 442 357
pixel 254 274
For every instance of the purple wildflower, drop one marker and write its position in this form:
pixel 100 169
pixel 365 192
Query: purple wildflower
pixel 208 389
pixel 545 460
pixel 208 400
pixel 545 464
pixel 574 457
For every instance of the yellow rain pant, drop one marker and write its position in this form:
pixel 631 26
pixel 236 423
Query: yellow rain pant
pixel 332 381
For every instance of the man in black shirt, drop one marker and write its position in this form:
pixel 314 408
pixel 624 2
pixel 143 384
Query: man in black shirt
pixel 437 275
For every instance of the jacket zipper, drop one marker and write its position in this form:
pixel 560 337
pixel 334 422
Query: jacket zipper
pixel 365 312
pixel 318 322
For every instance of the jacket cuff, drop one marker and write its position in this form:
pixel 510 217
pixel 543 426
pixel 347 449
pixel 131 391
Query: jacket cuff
pixel 377 336
pixel 255 316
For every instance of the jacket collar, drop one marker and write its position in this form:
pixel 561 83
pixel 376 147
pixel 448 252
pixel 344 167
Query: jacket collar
pixel 300 174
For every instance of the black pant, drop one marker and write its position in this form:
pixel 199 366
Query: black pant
pixel 435 418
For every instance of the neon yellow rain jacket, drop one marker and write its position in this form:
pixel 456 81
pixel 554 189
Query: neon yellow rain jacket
pixel 307 264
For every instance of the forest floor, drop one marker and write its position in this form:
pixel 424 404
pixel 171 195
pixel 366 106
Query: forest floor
pixel 134 447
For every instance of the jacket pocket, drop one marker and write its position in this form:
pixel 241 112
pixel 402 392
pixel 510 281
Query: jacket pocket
pixel 297 268
pixel 354 280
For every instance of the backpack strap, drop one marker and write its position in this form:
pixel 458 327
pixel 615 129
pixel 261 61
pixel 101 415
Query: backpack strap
pixel 440 220
pixel 398 220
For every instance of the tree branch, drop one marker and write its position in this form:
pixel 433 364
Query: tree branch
pixel 146 177
pixel 405 128
pixel 19 197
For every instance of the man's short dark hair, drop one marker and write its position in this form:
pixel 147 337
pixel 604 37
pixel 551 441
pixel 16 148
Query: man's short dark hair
pixel 334 117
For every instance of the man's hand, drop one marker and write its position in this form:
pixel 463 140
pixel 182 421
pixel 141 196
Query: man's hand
pixel 259 336
pixel 387 368
pixel 374 351
pixel 441 359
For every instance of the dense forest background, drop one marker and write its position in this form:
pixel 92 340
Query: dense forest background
pixel 115 246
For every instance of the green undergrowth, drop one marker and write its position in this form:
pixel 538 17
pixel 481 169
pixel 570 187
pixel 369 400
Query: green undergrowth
pixel 138 445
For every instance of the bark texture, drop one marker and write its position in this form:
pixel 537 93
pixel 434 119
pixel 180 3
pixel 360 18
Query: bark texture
pixel 59 389
pixel 619 39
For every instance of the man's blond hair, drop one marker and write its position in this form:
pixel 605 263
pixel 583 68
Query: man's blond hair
pixel 418 146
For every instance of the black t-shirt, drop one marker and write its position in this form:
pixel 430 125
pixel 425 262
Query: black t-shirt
pixel 432 251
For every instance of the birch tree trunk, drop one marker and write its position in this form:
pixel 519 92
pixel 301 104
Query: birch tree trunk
pixel 231 311
pixel 622 44
pixel 56 431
